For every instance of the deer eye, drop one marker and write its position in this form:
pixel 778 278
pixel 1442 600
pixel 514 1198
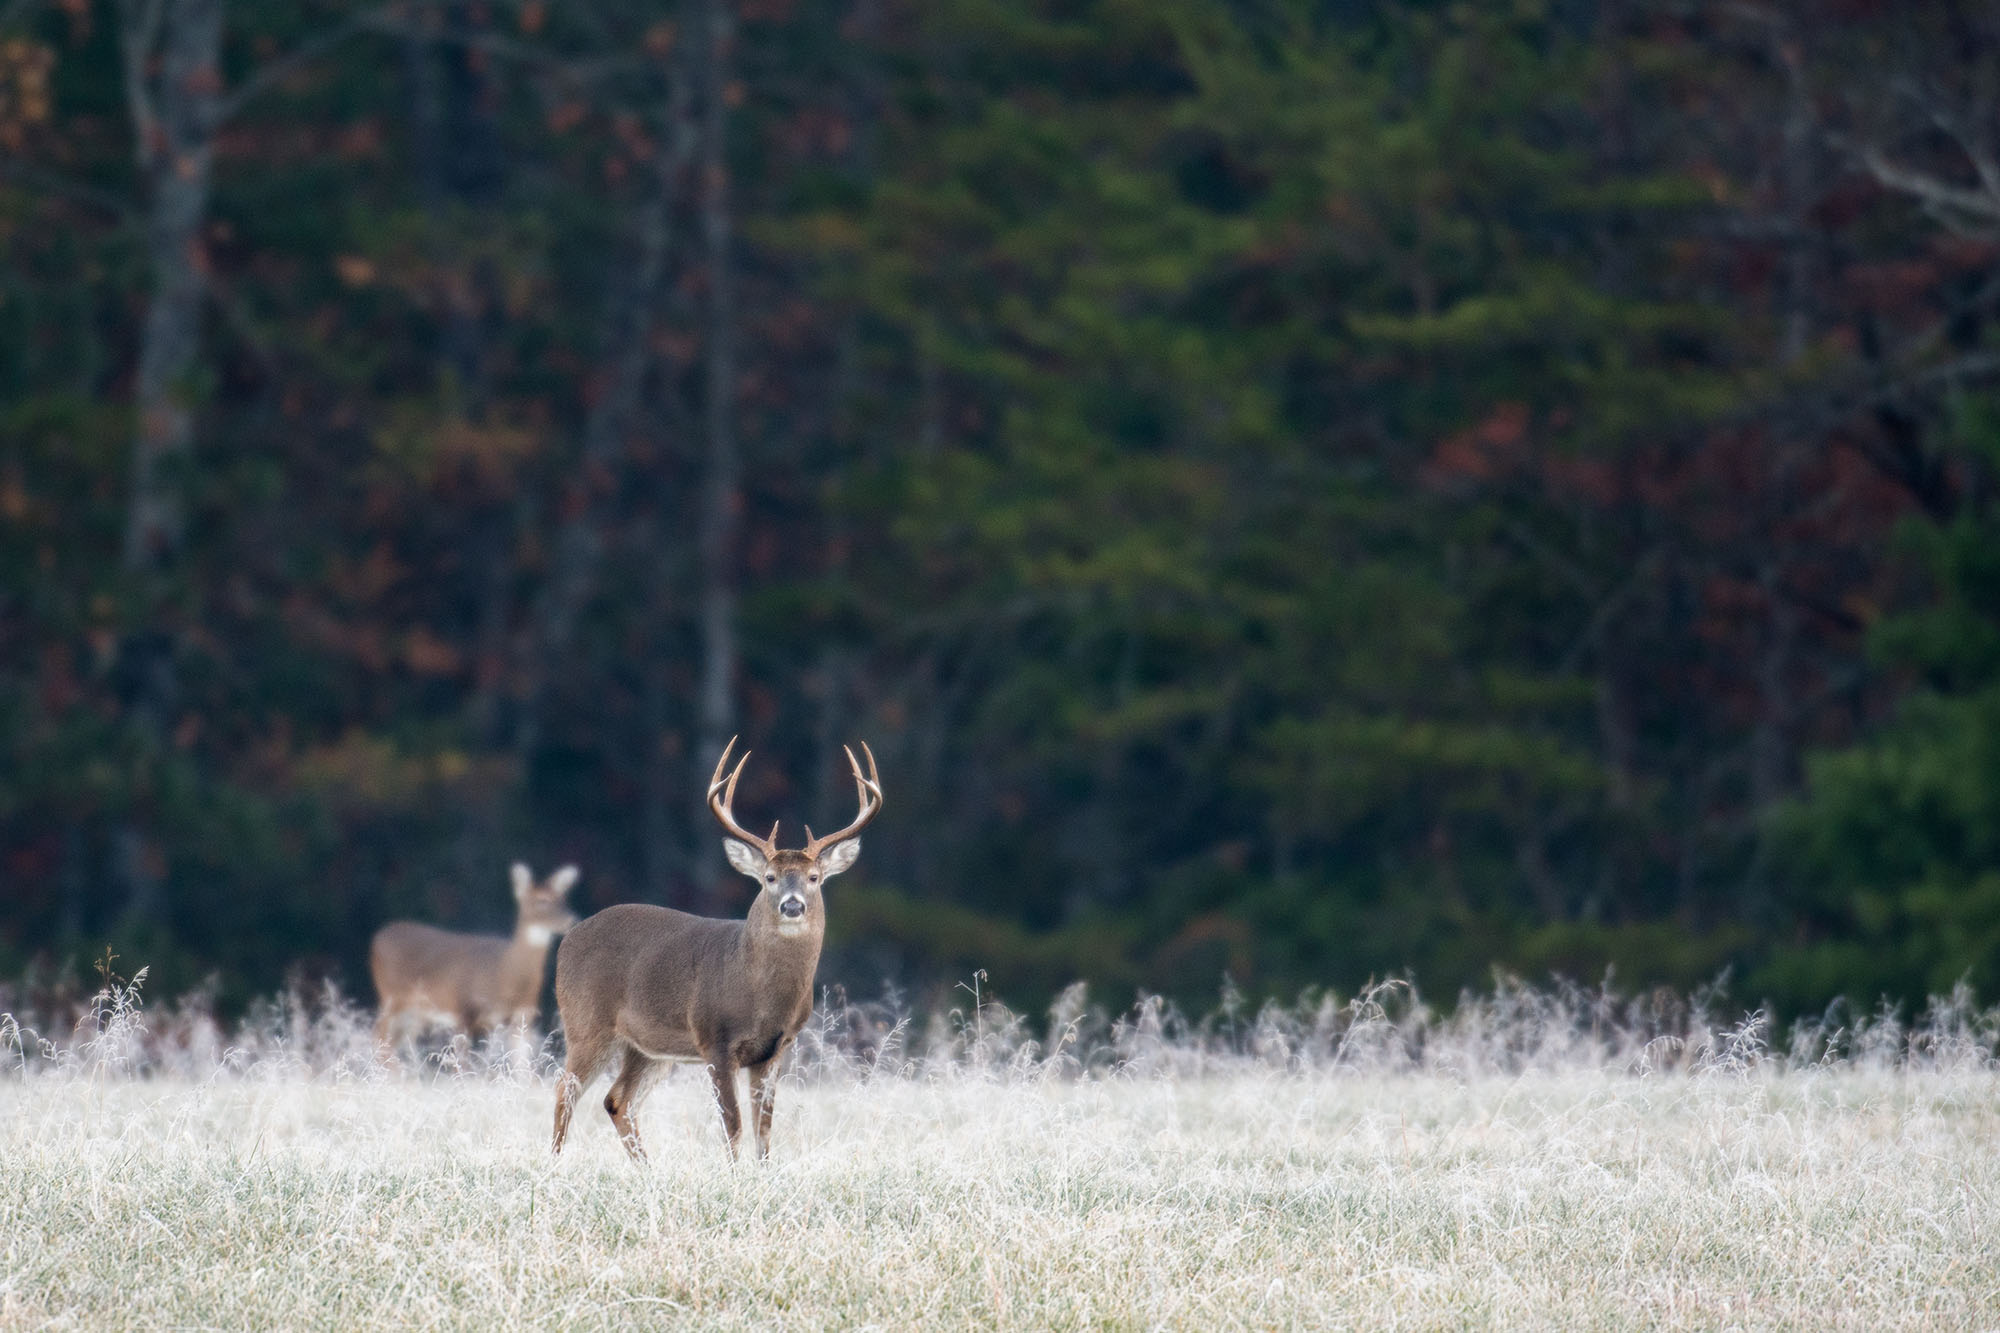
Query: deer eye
pixel 813 878
pixel 770 879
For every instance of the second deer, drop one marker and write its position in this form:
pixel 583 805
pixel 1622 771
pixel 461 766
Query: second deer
pixel 474 982
pixel 648 984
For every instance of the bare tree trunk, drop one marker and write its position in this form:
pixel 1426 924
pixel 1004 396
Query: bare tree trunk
pixel 426 111
pixel 74 883
pixel 173 87
pixel 673 829
pixel 1615 737
pixel 1770 742
pixel 662 771
pixel 1772 760
pixel 859 98
pixel 459 157
pixel 464 160
pixel 930 392
pixel 830 686
pixel 633 295
pixel 722 498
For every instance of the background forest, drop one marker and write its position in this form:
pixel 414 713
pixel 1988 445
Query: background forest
pixel 1299 490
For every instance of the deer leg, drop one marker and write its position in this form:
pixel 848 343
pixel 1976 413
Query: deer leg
pixel 580 1066
pixel 763 1100
pixel 722 1071
pixel 623 1099
pixel 396 1030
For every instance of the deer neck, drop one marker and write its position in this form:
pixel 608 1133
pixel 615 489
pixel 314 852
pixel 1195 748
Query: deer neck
pixel 531 941
pixel 777 956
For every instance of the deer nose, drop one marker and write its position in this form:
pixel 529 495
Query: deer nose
pixel 792 908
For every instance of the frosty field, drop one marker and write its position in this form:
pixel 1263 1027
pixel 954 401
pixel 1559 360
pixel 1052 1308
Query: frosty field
pixel 1476 1178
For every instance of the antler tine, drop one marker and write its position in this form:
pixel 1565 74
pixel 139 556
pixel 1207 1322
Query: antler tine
pixel 874 778
pixel 722 802
pixel 715 778
pixel 868 788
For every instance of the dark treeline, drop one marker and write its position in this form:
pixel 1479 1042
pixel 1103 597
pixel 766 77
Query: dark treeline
pixel 1292 489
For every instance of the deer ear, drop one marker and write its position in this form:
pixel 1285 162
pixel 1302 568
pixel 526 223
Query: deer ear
pixel 744 857
pixel 563 880
pixel 523 881
pixel 839 857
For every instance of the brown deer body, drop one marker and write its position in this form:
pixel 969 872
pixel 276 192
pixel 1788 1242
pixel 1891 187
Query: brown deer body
pixel 649 985
pixel 474 982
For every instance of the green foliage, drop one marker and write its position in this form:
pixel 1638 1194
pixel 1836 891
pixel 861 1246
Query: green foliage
pixel 1897 840
pixel 1306 491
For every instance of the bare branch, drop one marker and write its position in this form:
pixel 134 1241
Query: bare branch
pixel 34 178
pixel 1947 121
pixel 1977 366
pixel 238 317
pixel 311 49
pixel 389 20
pixel 1975 153
pixel 138 34
pixel 1947 199
pixel 1611 605
pixel 1760 14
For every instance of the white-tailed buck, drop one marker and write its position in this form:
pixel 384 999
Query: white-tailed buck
pixel 475 982
pixel 649 984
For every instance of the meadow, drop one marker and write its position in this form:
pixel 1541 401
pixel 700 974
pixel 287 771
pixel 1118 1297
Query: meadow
pixel 1538 1158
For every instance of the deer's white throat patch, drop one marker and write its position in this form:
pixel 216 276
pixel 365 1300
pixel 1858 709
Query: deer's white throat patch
pixel 539 936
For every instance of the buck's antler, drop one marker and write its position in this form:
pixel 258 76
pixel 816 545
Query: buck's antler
pixel 870 789
pixel 722 796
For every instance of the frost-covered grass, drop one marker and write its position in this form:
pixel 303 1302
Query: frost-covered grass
pixel 1527 1165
